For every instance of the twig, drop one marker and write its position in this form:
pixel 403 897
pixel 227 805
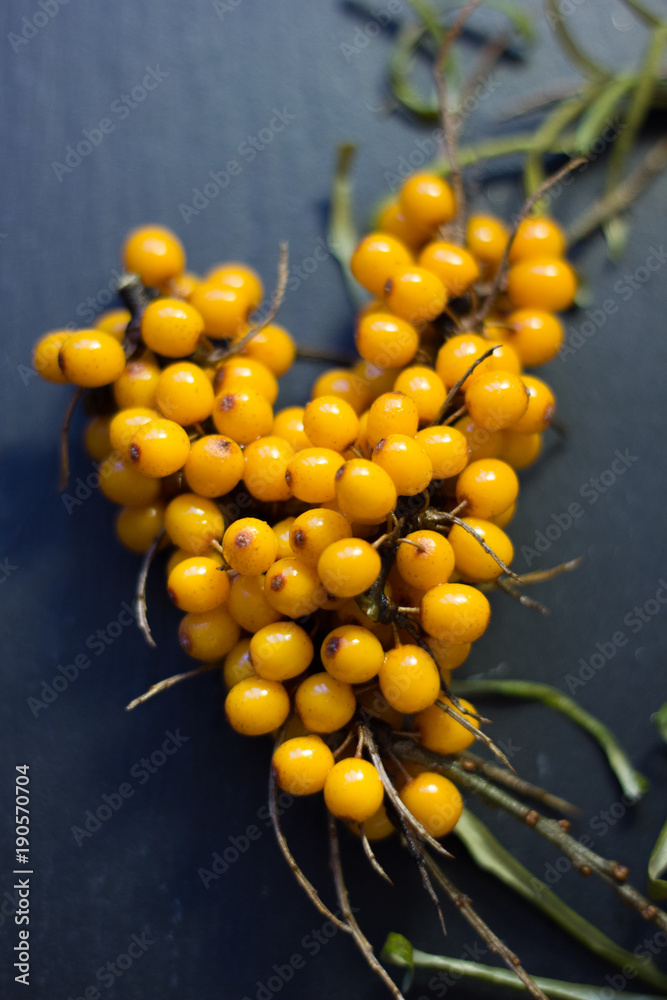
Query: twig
pixel 542 575
pixel 492 940
pixel 360 939
pixel 490 299
pixel 331 357
pixel 519 785
pixel 64 438
pixel 451 395
pixel 142 618
pixel 368 850
pixel 305 884
pixel 276 302
pixel 479 734
pixel 453 519
pixel 527 602
pixel 168 682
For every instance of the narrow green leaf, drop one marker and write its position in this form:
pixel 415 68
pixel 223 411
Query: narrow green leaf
pixel 632 782
pixel 522 22
pixel 490 855
pixel 583 62
pixel 616 231
pixel 342 232
pixel 659 719
pixel 601 113
pixel 400 84
pixel 398 951
pixel 657 866
pixel 643 13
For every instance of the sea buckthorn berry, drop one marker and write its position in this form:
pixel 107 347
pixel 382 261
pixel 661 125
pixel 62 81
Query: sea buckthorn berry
pixel 486 238
pixel 348 567
pixel 185 394
pixel 365 492
pixel 96 438
pixel 425 559
pixel 248 605
pixel 273 347
pixel 504 357
pixel 114 321
pixel 311 474
pixel 455 612
pixel 154 253
pixel 237 666
pixel 288 424
pixel 376 827
pixel 440 732
pixel 255 706
pixel 449 655
pixel 447 449
pixel 488 485
pixel 434 801
pixel 247 374
pixel 178 555
pixel 244 415
pixel 323 703
pixel 124 424
pixel 282 532
pixel 249 546
pixel 280 651
pixel 497 400
pixel 302 764
pixel 122 483
pixel 376 258
pixel 409 679
pixel 426 201
pixel 415 294
pixel 209 635
pixel 181 286
pixel 482 443
pixel 197 584
pixel 426 390
pixel 233 274
pixel 291 586
pixel 171 327
pixel 90 358
pixel 330 422
pixel 376 380
pixel 314 530
pixel 457 355
pixel 472 562
pixel 405 461
pixel 346 384
pixel 353 790
pixel 504 518
pixel 536 335
pixel 215 465
pixel 391 413
pixel 352 654
pixel 45 356
pixel 520 450
pixel 266 461
pixel 456 267
pixel 193 522
pixel 137 384
pixel 224 310
pixel 385 340
pixel 539 236
pixel 392 221
pixel 541 407
pixel 543 283
pixel 137 527
pixel 159 447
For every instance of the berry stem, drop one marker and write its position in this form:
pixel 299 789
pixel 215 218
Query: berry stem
pixel 168 682
pixel 140 597
pixel 64 438
pixel 518 785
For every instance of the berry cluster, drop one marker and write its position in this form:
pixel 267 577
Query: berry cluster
pixel 332 558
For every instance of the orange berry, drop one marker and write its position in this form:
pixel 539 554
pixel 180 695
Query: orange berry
pixel 159 447
pixel 288 424
pixel 434 801
pixel 391 413
pixel 486 238
pixel 282 532
pixel 291 587
pixel 249 546
pixel 311 474
pixel 193 522
pixel 171 327
pixel 124 424
pixel 409 679
pixel 233 274
pixel 376 258
pixel 482 442
pixel 208 635
pixel 330 422
pixel 280 651
pixel 256 706
pixel 302 764
pixel 243 415
pixel 266 461
pixel 137 384
pixel 428 561
pixel 497 400
pixel 223 309
pixel 426 390
pixel 353 790
pixel 137 527
pixel 447 449
pixel 184 393
pixel 96 437
pixel 405 461
pixel 427 201
pixel 385 340
pixel 537 336
pixel 45 356
pixel 392 221
pixel 538 236
pixel 456 267
pixel 314 530
pixel 440 732
pixel 543 283
pixel 520 450
pixel 472 562
pixel 273 347
pixel 114 321
pixel 247 603
pixel 197 584
pixel 154 253
pixel 455 612
pixel 242 374
pixel 541 407
pixel 352 654
pixel 489 486
pixel 91 358
pixel 214 466
pixel 323 703
pixel 348 567
pixel 415 294
pixel 365 493
pixel 122 483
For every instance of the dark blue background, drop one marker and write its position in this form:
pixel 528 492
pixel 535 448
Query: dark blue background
pixel 224 76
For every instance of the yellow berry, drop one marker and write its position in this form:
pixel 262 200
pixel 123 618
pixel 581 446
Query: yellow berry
pixel 315 529
pixel 330 422
pixel 540 409
pixel 288 424
pixel 171 327
pixel 243 415
pixel 385 340
pixel 434 801
pixel 391 413
pixel 518 449
pixel 114 321
pixel 273 347
pixel 425 559
pixel 409 679
pixel 496 400
pixel 255 706
pixel 249 546
pixel 456 267
pixel 472 562
pixel 348 567
pixel 197 584
pixel 447 449
pixel 237 666
pixel 246 374
pixel 184 394
pixel 248 605
pixel 415 294
pixel 323 703
pixel 427 201
pixel 266 461
pixel 45 356
pixel 543 283
pixel 124 424
pixel 214 466
pixel 352 654
pixel 353 790
pixel 537 236
pixel 91 358
pixel 376 258
pixel 122 483
pixel 455 612
pixel 291 587
pixel 488 486
pixel 233 274
pixel 224 310
pixel 282 531
pixel 96 437
pixel 193 522
pixel 486 238
pixel 154 253
pixel 365 493
pixel 159 447
pixel 208 635
pixel 137 527
pixel 425 388
pixel 302 764
pixel 311 474
pixel 137 384
pixel 280 651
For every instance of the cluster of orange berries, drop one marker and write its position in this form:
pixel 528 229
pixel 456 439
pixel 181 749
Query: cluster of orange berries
pixel 316 554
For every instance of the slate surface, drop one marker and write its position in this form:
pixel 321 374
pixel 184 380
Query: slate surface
pixel 222 74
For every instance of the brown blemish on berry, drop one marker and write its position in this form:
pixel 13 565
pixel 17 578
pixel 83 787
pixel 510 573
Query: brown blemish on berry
pixel 379 446
pixel 339 473
pixel 221 447
pixel 388 286
pixel 278 582
pixel 135 452
pixel 61 362
pixel 288 478
pixel 333 645
pixel 172 594
pixel 185 640
pixel 227 402
pixel 243 539
pixel 548 414
pixel 299 538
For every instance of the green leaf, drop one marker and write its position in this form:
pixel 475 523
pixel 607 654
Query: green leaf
pixel 616 231
pixel 400 66
pixel 490 855
pixel 600 113
pixel 633 783
pixel 342 232
pixel 657 866
pixel 660 720
pixel 643 13
pixel 522 22
pixel 398 951
pixel 580 59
